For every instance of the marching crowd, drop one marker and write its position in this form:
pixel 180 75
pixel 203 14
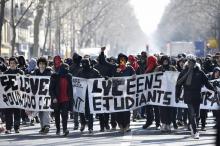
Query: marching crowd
pixel 194 74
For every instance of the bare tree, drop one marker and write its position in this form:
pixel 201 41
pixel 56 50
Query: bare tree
pixel 15 24
pixel 2 14
pixel 48 23
pixel 190 20
pixel 37 19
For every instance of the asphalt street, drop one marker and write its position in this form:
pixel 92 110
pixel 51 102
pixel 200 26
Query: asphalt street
pixel 29 136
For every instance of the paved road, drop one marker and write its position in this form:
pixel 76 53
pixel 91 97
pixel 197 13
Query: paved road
pixel 137 137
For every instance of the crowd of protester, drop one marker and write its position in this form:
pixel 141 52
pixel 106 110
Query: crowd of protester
pixel 194 74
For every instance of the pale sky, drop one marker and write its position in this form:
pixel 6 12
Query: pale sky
pixel 149 13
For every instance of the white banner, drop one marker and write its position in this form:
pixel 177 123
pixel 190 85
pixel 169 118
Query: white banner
pixel 129 93
pixel 29 93
pixel 79 92
pixel 105 96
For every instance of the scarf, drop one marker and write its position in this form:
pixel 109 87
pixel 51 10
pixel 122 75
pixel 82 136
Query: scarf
pixel 187 77
pixel 133 62
pixel 122 67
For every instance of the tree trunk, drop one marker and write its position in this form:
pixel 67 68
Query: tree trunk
pixel 37 20
pixel 2 13
pixel 57 33
pixel 13 40
pixel 48 24
pixel 13 27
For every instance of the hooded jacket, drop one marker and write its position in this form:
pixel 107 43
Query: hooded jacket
pixel 54 87
pixel 134 64
pixel 192 92
pixel 31 66
pixel 88 72
pixel 22 63
pixel 151 64
pixel 75 67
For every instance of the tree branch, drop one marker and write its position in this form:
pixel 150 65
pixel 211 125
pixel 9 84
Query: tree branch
pixel 94 18
pixel 24 13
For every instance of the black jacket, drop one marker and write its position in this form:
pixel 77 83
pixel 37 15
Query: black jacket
pixel 89 74
pixel 3 67
pixel 54 89
pixel 75 67
pixel 192 93
pixel 163 69
pixel 105 68
pixel 47 72
pixel 16 71
pixel 129 71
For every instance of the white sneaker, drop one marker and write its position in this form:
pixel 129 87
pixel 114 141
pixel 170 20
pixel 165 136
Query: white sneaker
pixel 162 129
pixel 168 128
pixel 196 135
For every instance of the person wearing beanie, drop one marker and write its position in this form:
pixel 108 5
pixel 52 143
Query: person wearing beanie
pixel 192 79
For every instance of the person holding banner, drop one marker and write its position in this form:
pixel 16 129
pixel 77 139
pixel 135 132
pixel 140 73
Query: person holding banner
pixel 3 68
pixel 32 65
pixel 87 72
pixel 167 114
pixel 123 70
pixel 133 62
pixel 106 70
pixel 13 112
pixel 61 92
pixel 74 70
pixel 43 115
pixel 192 78
pixel 182 113
pixel 152 112
pixel 22 65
